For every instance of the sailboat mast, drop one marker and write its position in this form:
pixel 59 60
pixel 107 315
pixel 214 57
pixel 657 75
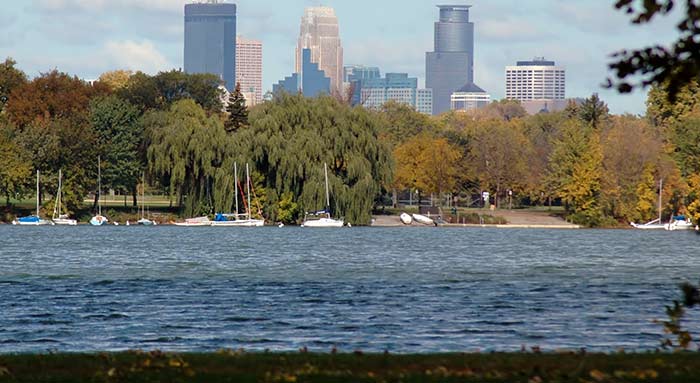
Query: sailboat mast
pixel 247 187
pixel 328 198
pixel 143 195
pixel 235 184
pixel 661 189
pixel 99 185
pixel 37 192
pixel 57 205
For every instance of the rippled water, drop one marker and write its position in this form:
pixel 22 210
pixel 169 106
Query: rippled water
pixel 375 289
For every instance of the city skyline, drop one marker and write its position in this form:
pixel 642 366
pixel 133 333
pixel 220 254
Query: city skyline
pixel 88 38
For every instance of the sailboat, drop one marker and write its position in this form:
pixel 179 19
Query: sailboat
pixel 33 220
pixel 655 224
pixel 99 219
pixel 239 220
pixel 58 218
pixel 324 220
pixel 144 221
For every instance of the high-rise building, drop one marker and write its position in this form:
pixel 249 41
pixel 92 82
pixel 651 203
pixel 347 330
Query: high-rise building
pixel 353 75
pixel 424 101
pixel 210 40
pixel 397 87
pixel 469 97
pixel 538 85
pixel 249 69
pixel 311 81
pixel 320 34
pixel 451 65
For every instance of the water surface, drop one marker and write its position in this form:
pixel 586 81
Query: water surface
pixel 375 289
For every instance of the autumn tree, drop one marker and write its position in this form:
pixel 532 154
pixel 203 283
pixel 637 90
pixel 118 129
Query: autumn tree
pixel 575 168
pixel 51 95
pixel 116 79
pixel 499 152
pixel 427 164
pixel 10 78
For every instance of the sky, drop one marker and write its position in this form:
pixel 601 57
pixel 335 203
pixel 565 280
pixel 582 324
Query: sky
pixel 89 37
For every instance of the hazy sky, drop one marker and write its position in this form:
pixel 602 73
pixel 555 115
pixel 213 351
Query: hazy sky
pixel 88 37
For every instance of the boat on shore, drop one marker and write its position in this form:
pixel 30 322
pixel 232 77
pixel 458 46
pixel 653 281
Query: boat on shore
pixel 424 220
pixel 406 219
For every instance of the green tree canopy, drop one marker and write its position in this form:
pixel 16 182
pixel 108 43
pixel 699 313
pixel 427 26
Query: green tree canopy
pixel 10 78
pixel 291 138
pixel 237 111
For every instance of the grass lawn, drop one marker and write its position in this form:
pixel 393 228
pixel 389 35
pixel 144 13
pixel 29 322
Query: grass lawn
pixel 232 366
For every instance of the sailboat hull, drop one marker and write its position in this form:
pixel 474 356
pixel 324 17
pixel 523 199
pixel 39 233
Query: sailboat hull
pixel 324 222
pixel 65 222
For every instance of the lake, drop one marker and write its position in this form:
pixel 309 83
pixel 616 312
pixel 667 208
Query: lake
pixel 373 289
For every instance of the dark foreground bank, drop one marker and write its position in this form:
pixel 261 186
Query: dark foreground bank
pixel 232 366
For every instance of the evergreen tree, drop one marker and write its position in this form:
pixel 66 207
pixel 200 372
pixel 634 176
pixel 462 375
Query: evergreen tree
pixel 237 111
pixel 593 111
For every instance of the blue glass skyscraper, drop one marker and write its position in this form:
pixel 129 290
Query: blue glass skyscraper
pixel 451 65
pixel 312 81
pixel 210 40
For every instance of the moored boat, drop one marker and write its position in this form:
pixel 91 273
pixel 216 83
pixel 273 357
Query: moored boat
pixel 33 220
pixel 194 222
pixel 323 218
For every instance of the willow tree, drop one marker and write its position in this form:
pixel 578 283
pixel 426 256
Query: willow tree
pixel 187 150
pixel 289 140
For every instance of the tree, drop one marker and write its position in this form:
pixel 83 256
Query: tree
pixel 166 88
pixel 664 113
pixel 16 166
pixel 291 137
pixel 593 111
pixel 674 66
pixel 120 136
pixel 116 79
pixel 237 111
pixel 187 149
pixel 52 95
pixel 10 78
pixel 647 196
pixel 499 151
pixel 574 173
pixel 427 164
pixel 630 148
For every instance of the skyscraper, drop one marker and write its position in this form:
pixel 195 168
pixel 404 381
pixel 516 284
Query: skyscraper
pixel 311 81
pixel 210 40
pixel 451 65
pixel 320 34
pixel 538 85
pixel 249 69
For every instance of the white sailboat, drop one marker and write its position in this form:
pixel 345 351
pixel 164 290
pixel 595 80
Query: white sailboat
pixel 322 218
pixel 59 218
pixel 33 220
pixel 194 222
pixel 99 219
pixel 143 220
pixel 239 220
pixel 655 224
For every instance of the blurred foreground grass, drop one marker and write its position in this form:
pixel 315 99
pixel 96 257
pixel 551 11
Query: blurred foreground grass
pixel 235 366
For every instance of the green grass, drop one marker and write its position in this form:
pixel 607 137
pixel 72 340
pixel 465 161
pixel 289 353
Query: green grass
pixel 231 366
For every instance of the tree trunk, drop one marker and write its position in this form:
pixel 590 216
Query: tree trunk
pixel 97 200
pixel 394 198
pixel 134 192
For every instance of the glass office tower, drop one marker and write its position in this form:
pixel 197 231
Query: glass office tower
pixel 451 65
pixel 210 40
